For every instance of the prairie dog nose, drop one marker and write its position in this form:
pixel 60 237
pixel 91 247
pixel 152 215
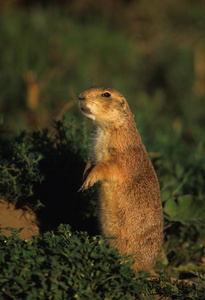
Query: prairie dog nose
pixel 81 97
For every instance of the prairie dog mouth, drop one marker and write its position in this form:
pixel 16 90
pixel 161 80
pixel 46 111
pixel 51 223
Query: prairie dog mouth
pixel 84 108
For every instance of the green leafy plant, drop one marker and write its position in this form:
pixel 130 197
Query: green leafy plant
pixel 71 265
pixel 19 172
pixel 63 265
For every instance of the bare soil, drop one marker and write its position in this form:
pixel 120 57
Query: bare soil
pixel 17 218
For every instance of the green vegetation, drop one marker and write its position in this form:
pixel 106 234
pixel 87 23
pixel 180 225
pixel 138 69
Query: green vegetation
pixel 154 54
pixel 71 265
pixel 63 265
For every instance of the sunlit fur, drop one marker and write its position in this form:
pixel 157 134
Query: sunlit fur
pixel 128 190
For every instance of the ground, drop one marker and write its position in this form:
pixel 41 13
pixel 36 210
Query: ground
pixel 9 216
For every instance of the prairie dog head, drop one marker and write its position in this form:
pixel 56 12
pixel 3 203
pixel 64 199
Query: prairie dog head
pixel 105 106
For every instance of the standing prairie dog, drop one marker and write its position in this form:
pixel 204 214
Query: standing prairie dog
pixel 128 190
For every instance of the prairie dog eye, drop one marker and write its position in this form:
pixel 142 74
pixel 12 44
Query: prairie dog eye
pixel 107 95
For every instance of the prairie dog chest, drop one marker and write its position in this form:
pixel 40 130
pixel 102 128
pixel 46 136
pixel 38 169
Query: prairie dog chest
pixel 100 145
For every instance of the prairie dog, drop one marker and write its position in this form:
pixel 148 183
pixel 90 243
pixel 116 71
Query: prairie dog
pixel 130 206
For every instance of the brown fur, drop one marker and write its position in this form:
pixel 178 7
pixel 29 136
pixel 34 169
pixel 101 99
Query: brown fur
pixel 129 196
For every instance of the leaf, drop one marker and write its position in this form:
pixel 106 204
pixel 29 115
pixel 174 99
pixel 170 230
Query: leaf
pixel 185 209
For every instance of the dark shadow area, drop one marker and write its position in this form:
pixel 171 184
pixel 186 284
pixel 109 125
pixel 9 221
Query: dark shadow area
pixel 60 197
pixel 62 167
pixel 43 171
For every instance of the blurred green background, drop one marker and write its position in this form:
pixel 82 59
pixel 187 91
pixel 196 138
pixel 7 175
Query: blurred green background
pixel 151 51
